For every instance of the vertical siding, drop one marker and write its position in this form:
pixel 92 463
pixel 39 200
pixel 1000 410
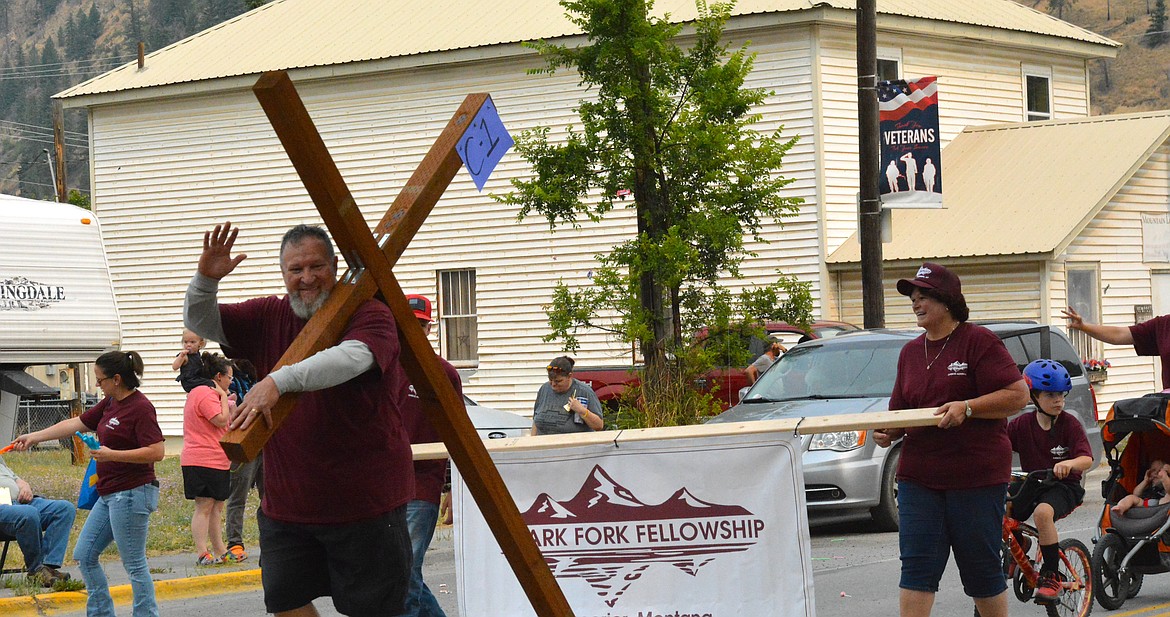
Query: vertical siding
pixel 1113 240
pixel 165 171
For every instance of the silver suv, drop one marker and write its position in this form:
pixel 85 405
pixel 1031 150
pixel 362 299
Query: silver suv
pixel 845 474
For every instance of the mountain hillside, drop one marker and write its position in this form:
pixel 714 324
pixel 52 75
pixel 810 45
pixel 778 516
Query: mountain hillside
pixel 1138 79
pixel 49 45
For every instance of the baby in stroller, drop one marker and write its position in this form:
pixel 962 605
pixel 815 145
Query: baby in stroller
pixel 1151 491
pixel 1133 531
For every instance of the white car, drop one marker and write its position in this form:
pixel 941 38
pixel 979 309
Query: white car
pixel 493 423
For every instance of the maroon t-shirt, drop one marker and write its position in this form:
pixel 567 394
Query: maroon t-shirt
pixel 1041 449
pixel 342 454
pixel 1150 338
pixel 971 363
pixel 127 424
pixel 429 476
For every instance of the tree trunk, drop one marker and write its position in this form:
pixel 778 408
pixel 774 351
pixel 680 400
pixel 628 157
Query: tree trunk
pixel 650 206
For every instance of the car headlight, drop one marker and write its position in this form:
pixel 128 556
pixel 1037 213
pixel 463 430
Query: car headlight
pixel 838 442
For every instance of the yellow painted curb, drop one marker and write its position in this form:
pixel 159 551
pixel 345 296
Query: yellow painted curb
pixel 173 589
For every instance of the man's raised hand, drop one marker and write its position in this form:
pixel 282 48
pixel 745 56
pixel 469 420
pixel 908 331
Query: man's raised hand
pixel 216 261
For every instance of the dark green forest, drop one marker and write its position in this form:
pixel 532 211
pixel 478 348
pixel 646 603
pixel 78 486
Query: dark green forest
pixel 50 45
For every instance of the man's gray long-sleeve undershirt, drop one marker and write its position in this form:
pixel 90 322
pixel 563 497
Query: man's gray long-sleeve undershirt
pixel 327 368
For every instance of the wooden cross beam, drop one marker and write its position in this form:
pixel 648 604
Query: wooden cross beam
pixel 370 260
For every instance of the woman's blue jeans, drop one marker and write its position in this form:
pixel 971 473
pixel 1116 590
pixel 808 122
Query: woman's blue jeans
pixel 124 518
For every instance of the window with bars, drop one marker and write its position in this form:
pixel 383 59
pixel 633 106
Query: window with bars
pixel 458 327
pixel 1085 300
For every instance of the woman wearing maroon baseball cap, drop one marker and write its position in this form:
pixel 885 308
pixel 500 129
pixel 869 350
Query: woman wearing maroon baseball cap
pixel 952 477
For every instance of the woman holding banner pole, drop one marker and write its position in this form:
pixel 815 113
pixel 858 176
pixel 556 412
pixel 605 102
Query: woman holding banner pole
pixel 952 478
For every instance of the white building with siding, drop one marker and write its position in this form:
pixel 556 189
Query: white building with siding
pixel 181 144
pixel 1045 215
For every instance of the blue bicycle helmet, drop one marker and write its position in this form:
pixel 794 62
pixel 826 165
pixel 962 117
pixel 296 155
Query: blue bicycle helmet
pixel 1047 376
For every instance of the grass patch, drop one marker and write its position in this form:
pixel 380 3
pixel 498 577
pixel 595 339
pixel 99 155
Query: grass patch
pixel 52 474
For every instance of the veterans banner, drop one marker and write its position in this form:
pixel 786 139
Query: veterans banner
pixel 911 168
pixel 711 527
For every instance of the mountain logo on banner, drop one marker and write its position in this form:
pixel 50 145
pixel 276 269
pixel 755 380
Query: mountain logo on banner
pixel 608 537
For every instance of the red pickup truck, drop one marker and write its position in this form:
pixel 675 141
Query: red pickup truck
pixel 724 383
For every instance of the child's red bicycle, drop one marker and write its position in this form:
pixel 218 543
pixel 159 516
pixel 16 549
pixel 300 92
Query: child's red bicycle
pixel 1023 572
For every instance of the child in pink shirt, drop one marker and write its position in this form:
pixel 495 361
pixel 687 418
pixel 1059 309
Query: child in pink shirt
pixel 206 475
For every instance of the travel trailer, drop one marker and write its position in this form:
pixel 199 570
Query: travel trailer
pixel 56 300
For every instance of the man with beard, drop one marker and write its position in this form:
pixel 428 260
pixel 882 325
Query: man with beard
pixel 338 472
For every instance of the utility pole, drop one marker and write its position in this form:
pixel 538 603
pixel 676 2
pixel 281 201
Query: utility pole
pixel 59 148
pixel 869 205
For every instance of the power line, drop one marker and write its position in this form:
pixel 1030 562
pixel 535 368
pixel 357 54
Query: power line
pixel 43 128
pixel 41 140
pixel 30 66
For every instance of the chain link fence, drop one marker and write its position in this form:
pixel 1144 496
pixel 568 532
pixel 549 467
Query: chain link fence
pixel 36 414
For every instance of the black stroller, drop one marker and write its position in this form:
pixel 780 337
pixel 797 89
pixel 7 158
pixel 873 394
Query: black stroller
pixel 1132 545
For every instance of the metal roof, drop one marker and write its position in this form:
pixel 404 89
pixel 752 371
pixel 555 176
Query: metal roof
pixel 292 34
pixel 1026 188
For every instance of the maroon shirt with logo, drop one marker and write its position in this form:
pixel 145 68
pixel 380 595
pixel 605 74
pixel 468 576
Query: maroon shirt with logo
pixel 977 453
pixel 342 454
pixel 1041 449
pixel 1150 338
pixel 127 424
pixel 429 476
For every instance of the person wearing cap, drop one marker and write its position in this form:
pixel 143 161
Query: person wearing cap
pixel 563 404
pixel 764 361
pixel 422 512
pixel 1149 338
pixel 952 477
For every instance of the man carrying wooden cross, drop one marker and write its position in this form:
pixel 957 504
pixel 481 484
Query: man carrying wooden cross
pixel 338 472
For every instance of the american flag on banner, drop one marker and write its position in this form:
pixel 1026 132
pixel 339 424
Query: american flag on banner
pixel 911 148
pixel 899 97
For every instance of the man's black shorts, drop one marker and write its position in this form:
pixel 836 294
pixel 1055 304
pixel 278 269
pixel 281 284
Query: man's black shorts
pixel 206 482
pixel 1064 497
pixel 364 566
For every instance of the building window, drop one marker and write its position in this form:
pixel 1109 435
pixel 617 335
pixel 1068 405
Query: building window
pixel 1083 297
pixel 888 69
pixel 458 329
pixel 1038 96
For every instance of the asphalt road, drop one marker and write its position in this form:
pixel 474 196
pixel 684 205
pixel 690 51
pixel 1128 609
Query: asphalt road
pixel 848 558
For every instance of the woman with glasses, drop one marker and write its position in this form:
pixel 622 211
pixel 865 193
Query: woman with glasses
pixel 565 405
pixel 131 443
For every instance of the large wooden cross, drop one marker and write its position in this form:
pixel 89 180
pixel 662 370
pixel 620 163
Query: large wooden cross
pixel 370 259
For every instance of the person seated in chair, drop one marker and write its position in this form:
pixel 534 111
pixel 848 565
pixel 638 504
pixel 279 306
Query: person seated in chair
pixel 39 525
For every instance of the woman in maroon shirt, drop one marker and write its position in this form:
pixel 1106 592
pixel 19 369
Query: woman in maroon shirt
pixel 131 443
pixel 952 477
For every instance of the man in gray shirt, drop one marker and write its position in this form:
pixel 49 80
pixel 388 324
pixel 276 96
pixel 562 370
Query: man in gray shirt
pixel 40 526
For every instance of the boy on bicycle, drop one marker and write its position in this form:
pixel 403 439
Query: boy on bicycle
pixel 1049 439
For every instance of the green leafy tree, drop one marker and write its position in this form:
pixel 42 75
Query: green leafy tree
pixel 671 124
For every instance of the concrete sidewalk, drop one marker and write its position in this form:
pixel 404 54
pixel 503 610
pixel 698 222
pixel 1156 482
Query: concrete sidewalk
pixel 175 577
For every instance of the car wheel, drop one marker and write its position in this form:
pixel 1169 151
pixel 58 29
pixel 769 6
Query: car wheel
pixel 885 514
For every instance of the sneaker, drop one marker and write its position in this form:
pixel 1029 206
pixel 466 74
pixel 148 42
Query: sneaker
pixel 237 553
pixel 47 576
pixel 1048 589
pixel 207 560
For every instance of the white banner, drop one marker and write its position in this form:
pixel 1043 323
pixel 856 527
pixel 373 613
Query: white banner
pixel 710 527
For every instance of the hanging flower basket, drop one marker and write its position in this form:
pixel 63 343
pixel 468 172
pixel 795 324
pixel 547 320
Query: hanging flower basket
pixel 1096 370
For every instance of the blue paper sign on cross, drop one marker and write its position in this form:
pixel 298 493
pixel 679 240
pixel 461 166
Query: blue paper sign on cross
pixel 484 144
